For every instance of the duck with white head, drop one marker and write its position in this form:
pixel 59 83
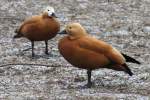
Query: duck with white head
pixel 39 28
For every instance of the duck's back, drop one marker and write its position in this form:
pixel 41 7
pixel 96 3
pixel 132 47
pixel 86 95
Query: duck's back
pixel 38 28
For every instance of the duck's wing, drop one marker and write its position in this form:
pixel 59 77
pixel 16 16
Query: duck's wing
pixel 102 47
pixel 32 20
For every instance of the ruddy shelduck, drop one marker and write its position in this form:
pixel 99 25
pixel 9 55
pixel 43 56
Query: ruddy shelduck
pixel 39 28
pixel 86 52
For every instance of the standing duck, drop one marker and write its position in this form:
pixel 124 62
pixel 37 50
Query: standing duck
pixel 86 52
pixel 39 28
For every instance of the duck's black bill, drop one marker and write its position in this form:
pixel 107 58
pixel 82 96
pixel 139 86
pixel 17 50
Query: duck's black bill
pixel 54 15
pixel 63 32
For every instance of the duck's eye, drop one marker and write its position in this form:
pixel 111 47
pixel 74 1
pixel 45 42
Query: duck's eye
pixel 48 10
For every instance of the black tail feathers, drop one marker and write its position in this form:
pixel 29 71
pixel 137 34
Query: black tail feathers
pixel 130 59
pixel 127 69
pixel 16 30
pixel 18 34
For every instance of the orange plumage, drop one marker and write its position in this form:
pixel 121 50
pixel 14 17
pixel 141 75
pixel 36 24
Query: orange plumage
pixel 86 52
pixel 39 28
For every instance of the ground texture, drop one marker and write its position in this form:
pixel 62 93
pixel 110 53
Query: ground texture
pixel 125 24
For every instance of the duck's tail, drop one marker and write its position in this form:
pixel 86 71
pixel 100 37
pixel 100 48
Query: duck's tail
pixel 127 69
pixel 130 59
pixel 18 33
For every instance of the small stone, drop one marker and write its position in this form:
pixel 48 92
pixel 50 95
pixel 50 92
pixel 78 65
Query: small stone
pixel 146 29
pixel 79 79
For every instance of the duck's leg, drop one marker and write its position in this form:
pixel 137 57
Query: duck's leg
pixel 32 44
pixel 46 47
pixel 89 84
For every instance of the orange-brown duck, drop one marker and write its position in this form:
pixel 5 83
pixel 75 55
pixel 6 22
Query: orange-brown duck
pixel 86 52
pixel 39 28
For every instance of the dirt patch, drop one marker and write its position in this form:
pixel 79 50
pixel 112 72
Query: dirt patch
pixel 123 24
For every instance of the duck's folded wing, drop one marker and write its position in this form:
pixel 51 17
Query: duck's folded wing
pixel 102 47
pixel 31 20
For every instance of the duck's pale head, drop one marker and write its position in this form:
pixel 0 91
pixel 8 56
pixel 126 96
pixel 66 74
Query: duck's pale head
pixel 50 11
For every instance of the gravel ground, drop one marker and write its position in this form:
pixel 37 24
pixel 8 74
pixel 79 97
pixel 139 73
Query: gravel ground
pixel 125 24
